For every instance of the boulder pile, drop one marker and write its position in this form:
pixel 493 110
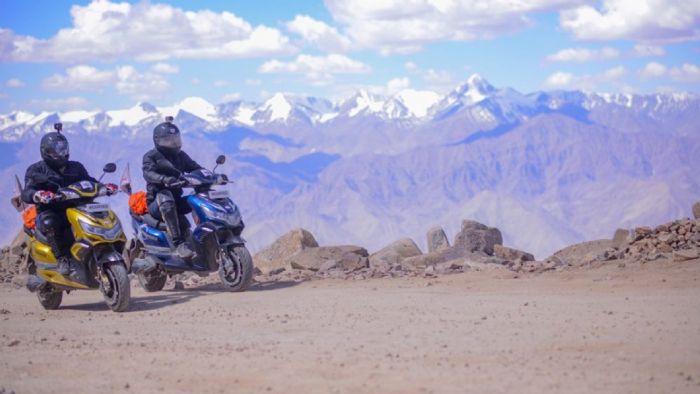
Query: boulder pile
pixel 13 258
pixel 678 241
pixel 475 247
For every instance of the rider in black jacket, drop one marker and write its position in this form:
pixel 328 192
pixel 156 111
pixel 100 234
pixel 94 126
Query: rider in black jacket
pixel 57 172
pixel 162 169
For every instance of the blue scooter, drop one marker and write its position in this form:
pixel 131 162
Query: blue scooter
pixel 216 239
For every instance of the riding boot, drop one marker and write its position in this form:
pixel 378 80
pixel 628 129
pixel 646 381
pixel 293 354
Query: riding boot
pixel 172 222
pixel 63 265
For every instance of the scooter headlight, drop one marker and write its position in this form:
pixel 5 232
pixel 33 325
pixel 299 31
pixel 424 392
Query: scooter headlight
pixel 231 218
pixel 108 233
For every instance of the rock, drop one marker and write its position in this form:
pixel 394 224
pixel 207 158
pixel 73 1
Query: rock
pixel 475 236
pixel 19 244
pixel 683 255
pixel 347 256
pixel 278 253
pixel 696 210
pixel 667 238
pixel 425 260
pixel 621 238
pixel 276 271
pixel 642 232
pixel 437 239
pixel 393 254
pixel 511 254
pixel 449 267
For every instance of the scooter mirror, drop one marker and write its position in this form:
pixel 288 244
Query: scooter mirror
pixel 220 160
pixel 109 168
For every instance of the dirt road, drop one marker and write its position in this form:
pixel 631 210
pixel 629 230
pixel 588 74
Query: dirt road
pixel 621 330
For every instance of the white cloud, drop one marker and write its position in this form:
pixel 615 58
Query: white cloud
pixel 318 70
pixel 559 80
pixel 410 66
pixel 564 80
pixel 125 79
pixel 165 68
pixel 644 20
pixel 143 87
pixel 14 83
pixel 653 70
pixel 319 33
pixel 439 80
pixel 253 82
pixel 230 97
pixel 397 84
pixel 145 31
pixel 221 83
pixel 685 73
pixel 80 77
pixel 581 55
pixel 59 104
pixel 646 50
pixel 404 26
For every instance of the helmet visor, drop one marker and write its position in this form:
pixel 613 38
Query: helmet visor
pixel 58 150
pixel 170 141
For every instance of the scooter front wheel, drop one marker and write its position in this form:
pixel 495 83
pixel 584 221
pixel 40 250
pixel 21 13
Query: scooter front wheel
pixel 236 268
pixel 116 290
pixel 49 297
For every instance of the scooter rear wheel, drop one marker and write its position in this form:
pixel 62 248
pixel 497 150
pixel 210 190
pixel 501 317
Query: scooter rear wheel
pixel 153 280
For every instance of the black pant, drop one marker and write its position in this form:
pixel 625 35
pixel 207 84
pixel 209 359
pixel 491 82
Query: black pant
pixel 53 223
pixel 171 211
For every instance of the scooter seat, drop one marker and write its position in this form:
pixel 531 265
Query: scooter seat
pixel 151 221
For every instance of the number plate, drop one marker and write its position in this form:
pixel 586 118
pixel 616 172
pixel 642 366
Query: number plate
pixel 217 194
pixel 92 208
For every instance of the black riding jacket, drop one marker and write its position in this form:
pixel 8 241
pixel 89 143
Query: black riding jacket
pixel 72 173
pixel 159 169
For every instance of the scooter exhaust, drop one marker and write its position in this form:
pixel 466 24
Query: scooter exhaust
pixel 34 283
pixel 140 266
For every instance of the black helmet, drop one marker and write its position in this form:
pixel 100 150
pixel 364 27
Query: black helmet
pixel 54 149
pixel 166 137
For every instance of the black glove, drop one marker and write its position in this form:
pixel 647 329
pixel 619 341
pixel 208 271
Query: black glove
pixel 170 181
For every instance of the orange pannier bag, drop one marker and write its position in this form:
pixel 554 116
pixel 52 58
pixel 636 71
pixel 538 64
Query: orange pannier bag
pixel 138 203
pixel 29 217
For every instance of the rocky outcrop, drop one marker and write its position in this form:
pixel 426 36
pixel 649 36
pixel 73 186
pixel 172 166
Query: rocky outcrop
pixel 511 254
pixel 674 240
pixel 276 256
pixel 477 237
pixel 621 238
pixel 696 210
pixel 345 258
pixel 13 258
pixel 393 254
pixel 437 239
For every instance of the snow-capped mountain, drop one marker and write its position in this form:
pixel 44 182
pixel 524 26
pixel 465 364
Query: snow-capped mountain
pixel 548 168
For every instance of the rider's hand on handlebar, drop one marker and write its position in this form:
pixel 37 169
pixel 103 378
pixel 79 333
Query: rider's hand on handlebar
pixel 44 197
pixel 221 179
pixel 171 181
pixel 111 188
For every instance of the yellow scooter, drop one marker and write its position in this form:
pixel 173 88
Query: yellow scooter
pixel 96 251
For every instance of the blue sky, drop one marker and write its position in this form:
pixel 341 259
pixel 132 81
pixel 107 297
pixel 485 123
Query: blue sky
pixel 105 55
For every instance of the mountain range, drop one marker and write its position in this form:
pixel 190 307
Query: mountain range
pixel 547 168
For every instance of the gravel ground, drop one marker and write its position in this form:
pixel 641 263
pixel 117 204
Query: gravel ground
pixel 631 329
